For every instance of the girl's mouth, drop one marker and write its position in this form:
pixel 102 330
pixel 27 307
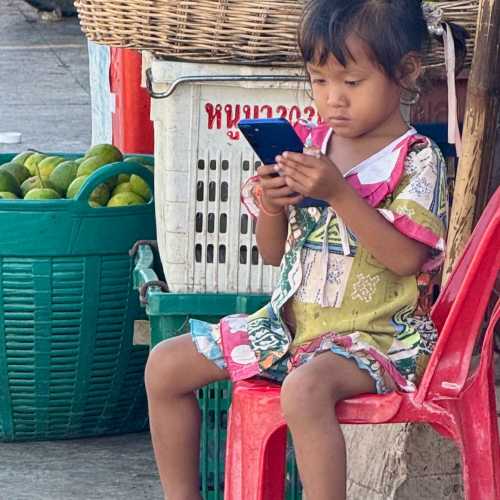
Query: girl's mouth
pixel 338 120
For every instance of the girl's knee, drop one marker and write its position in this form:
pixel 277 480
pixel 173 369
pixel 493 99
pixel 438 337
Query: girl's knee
pixel 162 368
pixel 305 396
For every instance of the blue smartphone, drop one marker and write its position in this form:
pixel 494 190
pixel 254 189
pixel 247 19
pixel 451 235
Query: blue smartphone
pixel 270 137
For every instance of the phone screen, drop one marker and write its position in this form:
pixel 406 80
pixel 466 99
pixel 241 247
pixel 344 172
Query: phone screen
pixel 270 138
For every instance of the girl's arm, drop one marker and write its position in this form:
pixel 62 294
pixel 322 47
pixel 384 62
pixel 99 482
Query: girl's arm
pixel 401 254
pixel 272 224
pixel 271 235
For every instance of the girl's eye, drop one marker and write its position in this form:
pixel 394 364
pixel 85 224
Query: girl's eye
pixel 352 83
pixel 318 81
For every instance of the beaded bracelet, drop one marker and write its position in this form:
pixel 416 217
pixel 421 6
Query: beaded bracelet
pixel 270 214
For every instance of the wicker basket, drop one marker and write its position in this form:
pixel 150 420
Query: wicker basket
pixel 464 13
pixel 232 31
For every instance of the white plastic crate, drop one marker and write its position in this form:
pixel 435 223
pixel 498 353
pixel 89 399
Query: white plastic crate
pixel 206 238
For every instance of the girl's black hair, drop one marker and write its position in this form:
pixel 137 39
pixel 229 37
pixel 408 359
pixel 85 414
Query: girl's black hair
pixel 390 29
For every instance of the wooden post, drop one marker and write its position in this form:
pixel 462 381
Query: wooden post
pixel 482 117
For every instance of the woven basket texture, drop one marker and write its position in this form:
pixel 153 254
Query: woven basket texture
pixel 231 31
pixel 69 367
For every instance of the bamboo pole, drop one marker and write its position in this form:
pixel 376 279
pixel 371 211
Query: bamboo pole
pixel 482 115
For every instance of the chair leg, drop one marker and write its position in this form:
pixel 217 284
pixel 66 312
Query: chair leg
pixel 273 468
pixel 255 448
pixel 480 444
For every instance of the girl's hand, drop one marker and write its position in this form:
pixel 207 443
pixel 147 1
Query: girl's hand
pixel 314 177
pixel 276 193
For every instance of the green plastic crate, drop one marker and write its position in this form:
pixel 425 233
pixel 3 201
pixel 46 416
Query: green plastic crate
pixel 67 305
pixel 169 314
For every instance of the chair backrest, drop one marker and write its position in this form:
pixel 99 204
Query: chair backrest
pixel 460 308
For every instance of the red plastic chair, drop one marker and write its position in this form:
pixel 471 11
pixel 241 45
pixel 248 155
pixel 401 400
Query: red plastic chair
pixel 458 404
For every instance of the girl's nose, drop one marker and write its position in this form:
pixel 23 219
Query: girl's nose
pixel 336 98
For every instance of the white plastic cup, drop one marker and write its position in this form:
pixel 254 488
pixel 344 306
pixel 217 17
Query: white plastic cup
pixel 10 137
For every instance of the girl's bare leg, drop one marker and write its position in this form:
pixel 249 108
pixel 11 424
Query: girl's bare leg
pixel 175 369
pixel 308 399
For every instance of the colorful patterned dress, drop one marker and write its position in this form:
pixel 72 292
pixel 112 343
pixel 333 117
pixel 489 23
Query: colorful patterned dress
pixel 332 294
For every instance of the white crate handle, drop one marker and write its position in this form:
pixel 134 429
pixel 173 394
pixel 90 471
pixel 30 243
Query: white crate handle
pixel 215 78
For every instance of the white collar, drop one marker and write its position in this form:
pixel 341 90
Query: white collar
pixel 381 163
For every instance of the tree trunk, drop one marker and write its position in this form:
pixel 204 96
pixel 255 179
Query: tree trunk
pixel 476 166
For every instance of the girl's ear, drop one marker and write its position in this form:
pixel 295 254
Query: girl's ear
pixel 409 70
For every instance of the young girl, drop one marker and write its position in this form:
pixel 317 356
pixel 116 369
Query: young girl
pixel 349 314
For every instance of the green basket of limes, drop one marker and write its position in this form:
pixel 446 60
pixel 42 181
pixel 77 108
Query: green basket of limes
pixel 68 366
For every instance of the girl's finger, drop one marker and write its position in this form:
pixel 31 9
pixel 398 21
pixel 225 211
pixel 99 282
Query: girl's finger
pixel 297 175
pixel 289 164
pixel 266 170
pixel 301 159
pixel 297 161
pixel 279 193
pixel 272 182
pixel 288 200
pixel 296 187
pixel 282 162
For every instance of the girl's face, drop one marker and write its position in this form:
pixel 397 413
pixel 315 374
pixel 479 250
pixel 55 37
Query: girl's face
pixel 357 99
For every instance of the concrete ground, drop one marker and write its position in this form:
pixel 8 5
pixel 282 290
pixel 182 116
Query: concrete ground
pixel 44 94
pixel 44 81
pixel 106 468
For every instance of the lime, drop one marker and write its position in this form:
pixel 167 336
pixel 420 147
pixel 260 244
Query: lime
pixel 18 170
pixel 90 164
pixel 140 187
pixel 47 165
pixel 112 182
pixel 107 152
pixel 29 184
pixel 8 182
pixel 123 178
pixel 22 157
pixel 5 195
pixel 100 194
pixel 42 194
pixel 63 175
pixel 32 162
pixel 125 199
pixel 75 186
pixel 124 187
pixel 34 182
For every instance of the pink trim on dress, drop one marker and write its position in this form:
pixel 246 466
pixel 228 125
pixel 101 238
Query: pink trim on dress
pixel 241 360
pixel 345 342
pixel 415 231
pixel 375 193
